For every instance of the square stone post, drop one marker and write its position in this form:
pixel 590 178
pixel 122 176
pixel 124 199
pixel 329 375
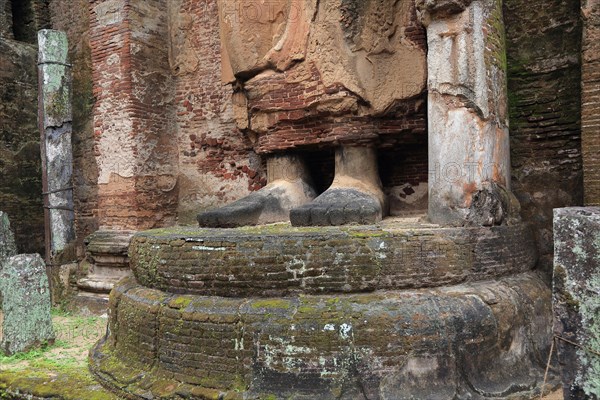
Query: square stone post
pixel 469 160
pixel 56 128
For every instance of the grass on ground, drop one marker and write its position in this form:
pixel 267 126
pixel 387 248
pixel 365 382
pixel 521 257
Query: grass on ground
pixel 57 370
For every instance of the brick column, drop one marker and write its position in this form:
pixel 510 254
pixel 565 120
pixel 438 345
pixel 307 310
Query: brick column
pixel 590 99
pixel 135 148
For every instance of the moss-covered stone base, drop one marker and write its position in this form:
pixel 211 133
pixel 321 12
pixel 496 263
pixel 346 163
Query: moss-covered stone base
pixel 471 341
pixel 279 260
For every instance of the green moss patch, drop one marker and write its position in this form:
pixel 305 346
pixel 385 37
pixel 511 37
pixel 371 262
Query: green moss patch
pixel 59 370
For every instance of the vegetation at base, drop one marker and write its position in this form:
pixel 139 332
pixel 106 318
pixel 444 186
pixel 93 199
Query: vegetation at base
pixel 56 370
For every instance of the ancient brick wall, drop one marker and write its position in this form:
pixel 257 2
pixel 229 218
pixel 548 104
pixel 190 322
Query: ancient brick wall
pixel 543 42
pixel 72 17
pixel 590 113
pixel 216 161
pixel 20 164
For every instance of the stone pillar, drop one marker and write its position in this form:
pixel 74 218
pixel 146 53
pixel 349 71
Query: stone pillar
pixel 56 126
pixel 469 161
pixel 576 300
pixel 590 98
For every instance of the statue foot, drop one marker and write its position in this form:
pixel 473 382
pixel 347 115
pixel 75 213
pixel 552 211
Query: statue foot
pixel 289 186
pixel 355 196
pixel 339 206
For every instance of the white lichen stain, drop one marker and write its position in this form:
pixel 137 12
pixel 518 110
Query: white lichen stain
pixel 208 248
pixel 297 267
pixel 345 331
pixel 239 344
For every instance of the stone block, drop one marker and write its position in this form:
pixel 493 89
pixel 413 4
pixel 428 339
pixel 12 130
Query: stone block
pixel 25 320
pixel 576 299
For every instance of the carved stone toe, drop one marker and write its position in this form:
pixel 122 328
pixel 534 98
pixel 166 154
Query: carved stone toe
pixel 338 206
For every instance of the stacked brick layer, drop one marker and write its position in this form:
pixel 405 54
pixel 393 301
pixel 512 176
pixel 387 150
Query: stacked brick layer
pixel 280 260
pixel 134 151
pixel 327 347
pixel 544 76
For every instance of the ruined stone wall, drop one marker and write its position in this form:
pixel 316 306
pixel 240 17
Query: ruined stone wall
pixel 72 17
pixel 21 19
pixel 216 161
pixel 543 42
pixel 6 19
pixel 20 163
pixel 590 113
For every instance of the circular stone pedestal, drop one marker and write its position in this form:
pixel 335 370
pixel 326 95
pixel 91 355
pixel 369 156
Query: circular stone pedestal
pixel 484 339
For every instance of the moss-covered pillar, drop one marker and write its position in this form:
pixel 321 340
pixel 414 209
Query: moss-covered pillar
pixel 590 98
pixel 56 126
pixel 469 163
pixel 25 320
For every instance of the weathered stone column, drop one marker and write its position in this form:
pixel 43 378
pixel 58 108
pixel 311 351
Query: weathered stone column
pixel 590 98
pixel 55 124
pixel 576 300
pixel 469 179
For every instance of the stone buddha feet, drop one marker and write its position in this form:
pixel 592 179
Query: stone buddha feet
pixel 289 185
pixel 355 196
